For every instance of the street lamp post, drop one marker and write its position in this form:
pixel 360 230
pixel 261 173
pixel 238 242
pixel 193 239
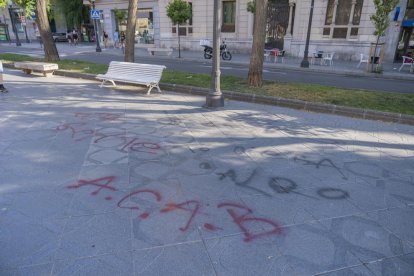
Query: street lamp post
pixel 11 12
pixel 215 97
pixel 305 61
pixel 98 46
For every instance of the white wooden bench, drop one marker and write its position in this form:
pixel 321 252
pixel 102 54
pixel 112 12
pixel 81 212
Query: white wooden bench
pixel 28 66
pixel 153 50
pixel 138 73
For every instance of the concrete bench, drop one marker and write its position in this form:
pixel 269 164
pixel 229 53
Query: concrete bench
pixel 137 73
pixel 28 66
pixel 167 51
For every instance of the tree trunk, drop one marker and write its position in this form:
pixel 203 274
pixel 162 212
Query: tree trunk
pixel 255 75
pixel 51 53
pixel 375 54
pixel 130 31
pixel 179 42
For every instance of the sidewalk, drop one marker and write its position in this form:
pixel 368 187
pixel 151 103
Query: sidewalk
pixel 114 182
pixel 290 63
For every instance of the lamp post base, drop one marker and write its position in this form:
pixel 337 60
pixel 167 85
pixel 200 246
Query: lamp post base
pixel 214 100
pixel 98 50
pixel 304 63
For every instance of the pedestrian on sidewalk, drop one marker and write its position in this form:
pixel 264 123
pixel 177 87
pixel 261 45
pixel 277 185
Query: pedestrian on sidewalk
pixel 75 36
pixel 2 88
pixel 105 39
pixel 116 39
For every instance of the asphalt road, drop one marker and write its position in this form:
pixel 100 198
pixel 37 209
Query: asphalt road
pixel 286 75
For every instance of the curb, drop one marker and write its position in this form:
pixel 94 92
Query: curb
pixel 275 101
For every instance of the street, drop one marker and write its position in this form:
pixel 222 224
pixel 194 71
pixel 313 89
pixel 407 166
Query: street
pixel 238 67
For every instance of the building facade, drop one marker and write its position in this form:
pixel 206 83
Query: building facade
pixel 340 26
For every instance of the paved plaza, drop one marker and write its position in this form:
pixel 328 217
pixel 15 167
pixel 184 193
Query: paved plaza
pixel 102 181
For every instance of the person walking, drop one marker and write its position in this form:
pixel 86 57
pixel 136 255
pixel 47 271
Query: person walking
pixel 75 37
pixel 105 39
pixel 116 39
pixel 2 88
pixel 122 41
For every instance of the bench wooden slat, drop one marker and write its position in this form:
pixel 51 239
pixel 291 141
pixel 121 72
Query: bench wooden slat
pixel 138 73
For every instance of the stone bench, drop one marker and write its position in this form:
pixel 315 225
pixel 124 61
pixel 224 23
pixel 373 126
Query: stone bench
pixel 152 51
pixel 28 66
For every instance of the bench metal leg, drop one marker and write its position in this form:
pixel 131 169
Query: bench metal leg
pixel 104 81
pixel 151 86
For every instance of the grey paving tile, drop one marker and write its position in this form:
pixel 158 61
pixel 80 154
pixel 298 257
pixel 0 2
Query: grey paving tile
pixel 401 266
pixel 28 241
pixel 399 221
pixel 119 263
pixel 360 270
pixel 310 249
pixel 284 208
pixel 365 238
pixel 182 259
pixel 35 270
pixel 43 204
pixel 232 256
pixel 94 235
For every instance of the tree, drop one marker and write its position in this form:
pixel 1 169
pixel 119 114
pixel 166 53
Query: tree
pixel 381 21
pixel 255 75
pixel 51 53
pixel 74 12
pixel 179 11
pixel 130 31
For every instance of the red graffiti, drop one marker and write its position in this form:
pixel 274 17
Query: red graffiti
pixel 211 227
pixel 121 136
pixel 76 131
pixel 186 207
pixel 241 219
pixel 242 215
pixel 145 215
pixel 102 183
pixel 141 146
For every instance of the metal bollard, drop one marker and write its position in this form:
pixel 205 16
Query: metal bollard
pixel 2 88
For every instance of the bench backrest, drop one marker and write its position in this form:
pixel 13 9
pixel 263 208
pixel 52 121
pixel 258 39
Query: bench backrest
pixel 135 70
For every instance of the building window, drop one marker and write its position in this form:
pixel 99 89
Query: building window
pixel 342 18
pixel 229 17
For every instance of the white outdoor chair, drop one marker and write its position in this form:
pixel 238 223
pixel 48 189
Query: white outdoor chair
pixel 266 55
pixel 328 58
pixel 406 61
pixel 363 59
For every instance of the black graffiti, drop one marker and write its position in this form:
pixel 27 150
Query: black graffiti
pixel 282 185
pixel 325 162
pixel 333 193
pixel 205 166
pixel 245 184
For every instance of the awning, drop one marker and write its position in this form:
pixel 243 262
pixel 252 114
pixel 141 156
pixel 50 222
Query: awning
pixel 408 23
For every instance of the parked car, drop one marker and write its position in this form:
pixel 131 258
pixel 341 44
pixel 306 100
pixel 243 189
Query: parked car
pixel 60 37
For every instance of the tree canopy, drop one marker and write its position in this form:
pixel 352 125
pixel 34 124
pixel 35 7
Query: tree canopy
pixel 179 11
pixel 380 17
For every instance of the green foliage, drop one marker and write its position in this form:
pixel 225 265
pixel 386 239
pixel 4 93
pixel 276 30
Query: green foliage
pixel 27 5
pixel 380 17
pixel 179 11
pixel 121 15
pixel 73 10
pixel 251 6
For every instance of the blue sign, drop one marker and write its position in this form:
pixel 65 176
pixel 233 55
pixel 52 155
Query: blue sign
pixel 408 23
pixel 95 14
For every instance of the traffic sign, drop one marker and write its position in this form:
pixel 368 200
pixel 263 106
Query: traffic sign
pixel 95 14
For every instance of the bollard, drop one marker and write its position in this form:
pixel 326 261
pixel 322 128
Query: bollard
pixel 2 88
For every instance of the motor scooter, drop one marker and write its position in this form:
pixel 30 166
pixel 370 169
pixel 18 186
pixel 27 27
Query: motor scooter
pixel 224 52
